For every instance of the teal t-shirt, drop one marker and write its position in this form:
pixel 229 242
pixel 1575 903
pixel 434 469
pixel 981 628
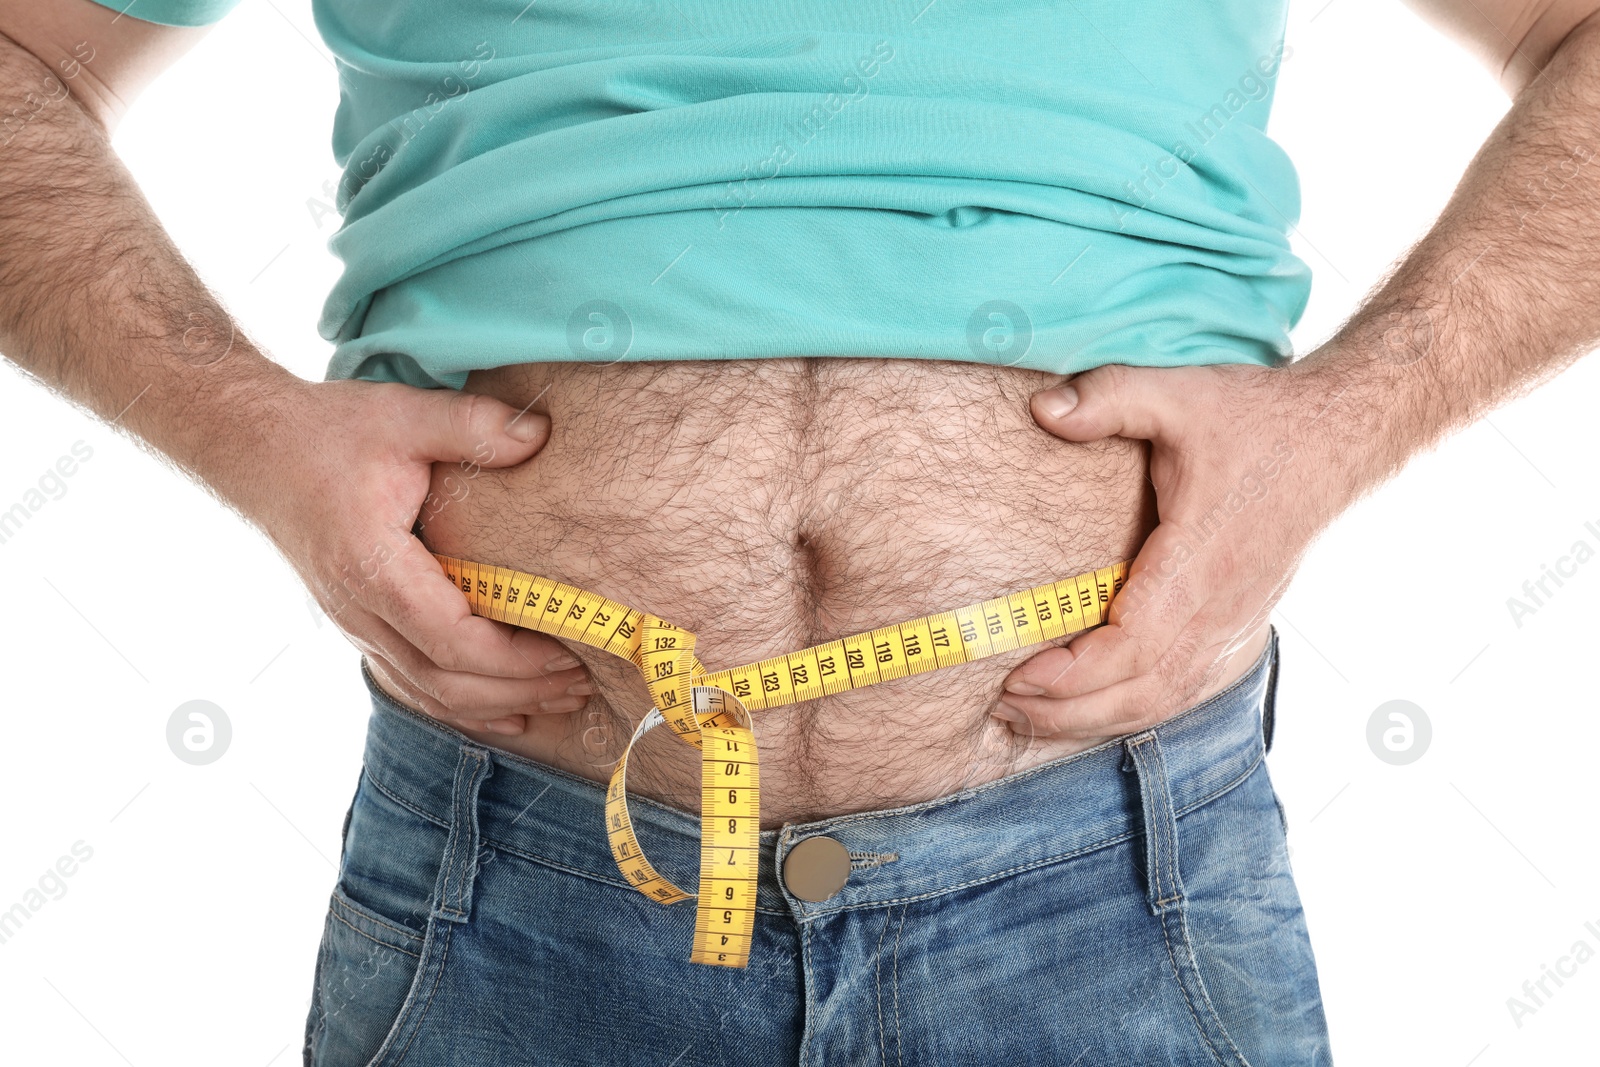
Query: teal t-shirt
pixel 1030 183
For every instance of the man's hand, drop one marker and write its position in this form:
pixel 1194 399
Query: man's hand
pixel 338 481
pixel 96 301
pixel 1244 482
pixel 1250 463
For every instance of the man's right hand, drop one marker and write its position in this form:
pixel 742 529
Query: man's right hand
pixel 339 480
pixel 96 301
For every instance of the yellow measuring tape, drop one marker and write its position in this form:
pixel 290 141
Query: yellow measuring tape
pixel 711 711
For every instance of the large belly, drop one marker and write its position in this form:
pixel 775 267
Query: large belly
pixel 768 505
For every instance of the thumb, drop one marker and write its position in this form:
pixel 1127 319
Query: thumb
pixel 1109 401
pixel 470 427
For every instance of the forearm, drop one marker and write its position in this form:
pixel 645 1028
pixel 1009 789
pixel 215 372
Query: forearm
pixel 97 303
pixel 1502 293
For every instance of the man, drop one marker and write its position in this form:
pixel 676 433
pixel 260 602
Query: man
pixel 634 248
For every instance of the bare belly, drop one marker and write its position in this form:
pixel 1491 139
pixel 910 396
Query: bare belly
pixel 768 505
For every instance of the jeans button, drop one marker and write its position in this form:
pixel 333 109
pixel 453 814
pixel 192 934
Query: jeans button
pixel 816 868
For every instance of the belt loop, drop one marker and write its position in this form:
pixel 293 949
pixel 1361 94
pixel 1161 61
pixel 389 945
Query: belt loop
pixel 1269 704
pixel 1165 889
pixel 452 896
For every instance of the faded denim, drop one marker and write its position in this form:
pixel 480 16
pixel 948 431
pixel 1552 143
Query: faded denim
pixel 1130 905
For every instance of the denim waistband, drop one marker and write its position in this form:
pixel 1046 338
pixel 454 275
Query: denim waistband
pixel 1067 807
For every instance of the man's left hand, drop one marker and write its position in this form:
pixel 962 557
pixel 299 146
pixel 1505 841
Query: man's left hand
pixel 1248 468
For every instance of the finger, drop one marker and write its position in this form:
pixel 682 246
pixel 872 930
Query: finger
pixel 1086 666
pixel 459 694
pixel 1148 699
pixel 1109 401
pixel 511 724
pixel 1119 709
pixel 471 697
pixel 393 679
pixel 1154 606
pixel 473 428
pixel 412 594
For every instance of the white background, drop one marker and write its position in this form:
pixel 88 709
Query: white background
pixel 1433 890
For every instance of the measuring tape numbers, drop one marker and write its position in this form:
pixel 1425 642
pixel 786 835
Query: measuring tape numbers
pixel 711 711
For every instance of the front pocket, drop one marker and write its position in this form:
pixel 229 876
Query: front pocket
pixel 1246 961
pixel 365 970
pixel 375 935
pixel 1180 951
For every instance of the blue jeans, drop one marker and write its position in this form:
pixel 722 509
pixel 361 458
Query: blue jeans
pixel 1129 905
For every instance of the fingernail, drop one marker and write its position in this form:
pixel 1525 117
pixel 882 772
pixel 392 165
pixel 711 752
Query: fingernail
pixel 1010 712
pixel 561 704
pixel 1058 403
pixel 580 689
pixel 1005 711
pixel 562 663
pixel 1025 689
pixel 525 427
pixel 500 726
